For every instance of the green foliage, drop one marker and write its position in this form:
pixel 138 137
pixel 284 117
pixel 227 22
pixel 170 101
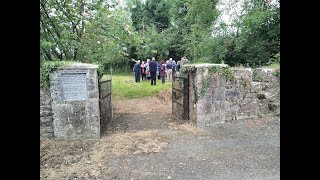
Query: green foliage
pixel 46 68
pixel 188 69
pixel 152 21
pixel 154 43
pixel 85 31
pixel 255 76
pixel 100 31
pixel 100 69
pixel 258 34
pixel 199 44
pixel 277 74
pixel 225 71
pixel 205 81
pixel 274 61
pixel 108 38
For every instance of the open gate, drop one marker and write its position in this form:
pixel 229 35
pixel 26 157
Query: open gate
pixel 180 97
pixel 105 103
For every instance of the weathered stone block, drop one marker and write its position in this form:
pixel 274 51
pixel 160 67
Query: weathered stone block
pixel 47 129
pixel 233 84
pixel 47 135
pixel 62 110
pixel 265 74
pixel 257 87
pixel 235 99
pixel 242 73
pixel 45 108
pixel 46 126
pixel 219 94
pixel 46 119
pixel 275 108
pixel 45 113
pixel 232 94
pixel 75 101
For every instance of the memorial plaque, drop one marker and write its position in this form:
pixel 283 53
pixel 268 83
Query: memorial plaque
pixel 74 86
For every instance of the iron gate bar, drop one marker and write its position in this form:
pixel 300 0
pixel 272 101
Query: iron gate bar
pixel 101 82
pixel 178 103
pixel 185 91
pixel 106 96
pixel 105 81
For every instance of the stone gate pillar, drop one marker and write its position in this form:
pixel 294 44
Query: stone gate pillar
pixel 75 101
pixel 207 95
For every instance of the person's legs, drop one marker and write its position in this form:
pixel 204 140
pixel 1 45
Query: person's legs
pixel 136 76
pixel 153 78
pixel 151 74
pixel 163 79
pixel 170 74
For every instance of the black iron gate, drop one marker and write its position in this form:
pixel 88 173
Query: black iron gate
pixel 105 103
pixel 180 97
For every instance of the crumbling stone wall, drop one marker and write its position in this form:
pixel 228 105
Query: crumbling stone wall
pixel 250 93
pixel 46 119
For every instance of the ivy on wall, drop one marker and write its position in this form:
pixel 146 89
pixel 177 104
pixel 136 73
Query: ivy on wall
pixel 205 80
pixel 47 67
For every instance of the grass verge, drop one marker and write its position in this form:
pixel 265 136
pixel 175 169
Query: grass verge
pixel 125 87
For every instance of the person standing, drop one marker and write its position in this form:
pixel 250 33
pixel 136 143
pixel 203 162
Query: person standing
pixel 153 71
pixel 163 71
pixel 178 68
pixel 173 68
pixel 148 69
pixel 143 71
pixel 136 70
pixel 169 69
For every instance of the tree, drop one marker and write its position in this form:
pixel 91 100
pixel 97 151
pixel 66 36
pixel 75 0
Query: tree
pixel 258 34
pixel 86 31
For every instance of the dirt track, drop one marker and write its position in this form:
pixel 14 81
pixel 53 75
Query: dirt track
pixel 145 142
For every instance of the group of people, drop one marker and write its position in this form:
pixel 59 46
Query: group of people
pixel 152 70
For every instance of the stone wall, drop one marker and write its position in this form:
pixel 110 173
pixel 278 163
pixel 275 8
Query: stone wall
pixel 250 93
pixel 75 115
pixel 207 106
pixel 46 119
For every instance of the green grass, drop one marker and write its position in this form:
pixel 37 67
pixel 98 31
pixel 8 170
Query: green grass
pixel 125 87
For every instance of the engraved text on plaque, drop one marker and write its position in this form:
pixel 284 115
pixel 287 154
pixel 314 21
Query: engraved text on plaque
pixel 74 86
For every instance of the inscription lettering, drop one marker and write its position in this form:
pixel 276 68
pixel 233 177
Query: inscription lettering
pixel 74 86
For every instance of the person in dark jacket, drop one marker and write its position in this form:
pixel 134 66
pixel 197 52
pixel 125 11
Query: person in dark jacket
pixel 163 71
pixel 136 70
pixel 153 71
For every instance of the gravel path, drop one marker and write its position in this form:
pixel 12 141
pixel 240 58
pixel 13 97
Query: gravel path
pixel 153 145
pixel 230 151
